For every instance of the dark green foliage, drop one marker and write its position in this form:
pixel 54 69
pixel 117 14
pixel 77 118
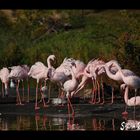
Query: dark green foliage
pixel 27 36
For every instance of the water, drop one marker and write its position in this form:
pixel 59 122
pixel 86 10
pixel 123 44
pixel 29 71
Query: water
pixel 41 122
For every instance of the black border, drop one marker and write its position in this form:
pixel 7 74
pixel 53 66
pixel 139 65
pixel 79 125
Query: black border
pixel 69 4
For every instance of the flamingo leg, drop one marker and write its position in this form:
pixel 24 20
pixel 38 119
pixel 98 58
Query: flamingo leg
pixel 2 90
pixel 36 107
pixel 103 97
pixel 28 96
pixel 6 89
pixel 113 125
pixel 93 92
pixel 125 113
pixel 135 101
pixel 49 92
pixel 18 95
pixel 42 97
pixel 71 106
pixel 22 91
pixel 98 87
pixel 44 121
pixel 68 110
pixel 112 98
pixel 37 118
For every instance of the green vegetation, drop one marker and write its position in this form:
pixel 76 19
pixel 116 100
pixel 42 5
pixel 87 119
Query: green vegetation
pixel 27 36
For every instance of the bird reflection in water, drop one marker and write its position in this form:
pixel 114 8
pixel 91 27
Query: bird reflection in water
pixel 101 124
pixel 37 121
pixel 3 124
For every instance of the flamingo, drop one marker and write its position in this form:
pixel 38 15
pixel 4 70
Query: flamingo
pixel 129 78
pixel 39 72
pixel 61 73
pixel 69 86
pixel 133 101
pixel 89 73
pixel 113 73
pixel 4 73
pixel 19 73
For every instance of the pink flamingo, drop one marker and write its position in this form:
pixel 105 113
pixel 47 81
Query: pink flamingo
pixel 4 73
pixel 68 87
pixel 130 79
pixel 19 73
pixel 39 72
pixel 89 73
pixel 113 73
pixel 61 73
pixel 133 101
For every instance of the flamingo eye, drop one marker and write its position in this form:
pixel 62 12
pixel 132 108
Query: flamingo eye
pixel 87 71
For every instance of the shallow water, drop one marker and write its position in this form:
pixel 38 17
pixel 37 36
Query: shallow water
pixel 41 122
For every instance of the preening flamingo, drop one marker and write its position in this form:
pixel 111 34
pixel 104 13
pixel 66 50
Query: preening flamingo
pixel 4 73
pixel 89 73
pixel 133 101
pixel 113 73
pixel 129 78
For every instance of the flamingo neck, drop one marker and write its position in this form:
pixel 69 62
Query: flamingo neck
pixel 126 95
pixel 49 63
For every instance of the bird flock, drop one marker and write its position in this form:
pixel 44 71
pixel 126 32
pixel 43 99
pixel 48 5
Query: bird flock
pixel 71 76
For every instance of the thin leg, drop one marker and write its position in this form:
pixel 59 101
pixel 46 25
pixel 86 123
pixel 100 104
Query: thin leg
pixel 6 88
pixel 98 87
pixel 2 90
pixel 22 90
pixel 112 98
pixel 113 125
pixel 44 121
pixel 93 92
pixel 125 113
pixel 37 118
pixel 28 96
pixel 18 95
pixel 49 92
pixel 103 97
pixel 42 97
pixel 71 106
pixel 36 107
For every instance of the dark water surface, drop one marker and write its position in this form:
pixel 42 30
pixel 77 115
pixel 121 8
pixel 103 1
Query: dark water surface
pixel 41 122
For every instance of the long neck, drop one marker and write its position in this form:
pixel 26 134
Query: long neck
pixel 109 74
pixel 73 75
pixel 49 63
pixel 120 71
pixel 126 95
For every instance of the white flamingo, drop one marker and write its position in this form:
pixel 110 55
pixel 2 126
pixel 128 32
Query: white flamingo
pixel 4 73
pixel 39 72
